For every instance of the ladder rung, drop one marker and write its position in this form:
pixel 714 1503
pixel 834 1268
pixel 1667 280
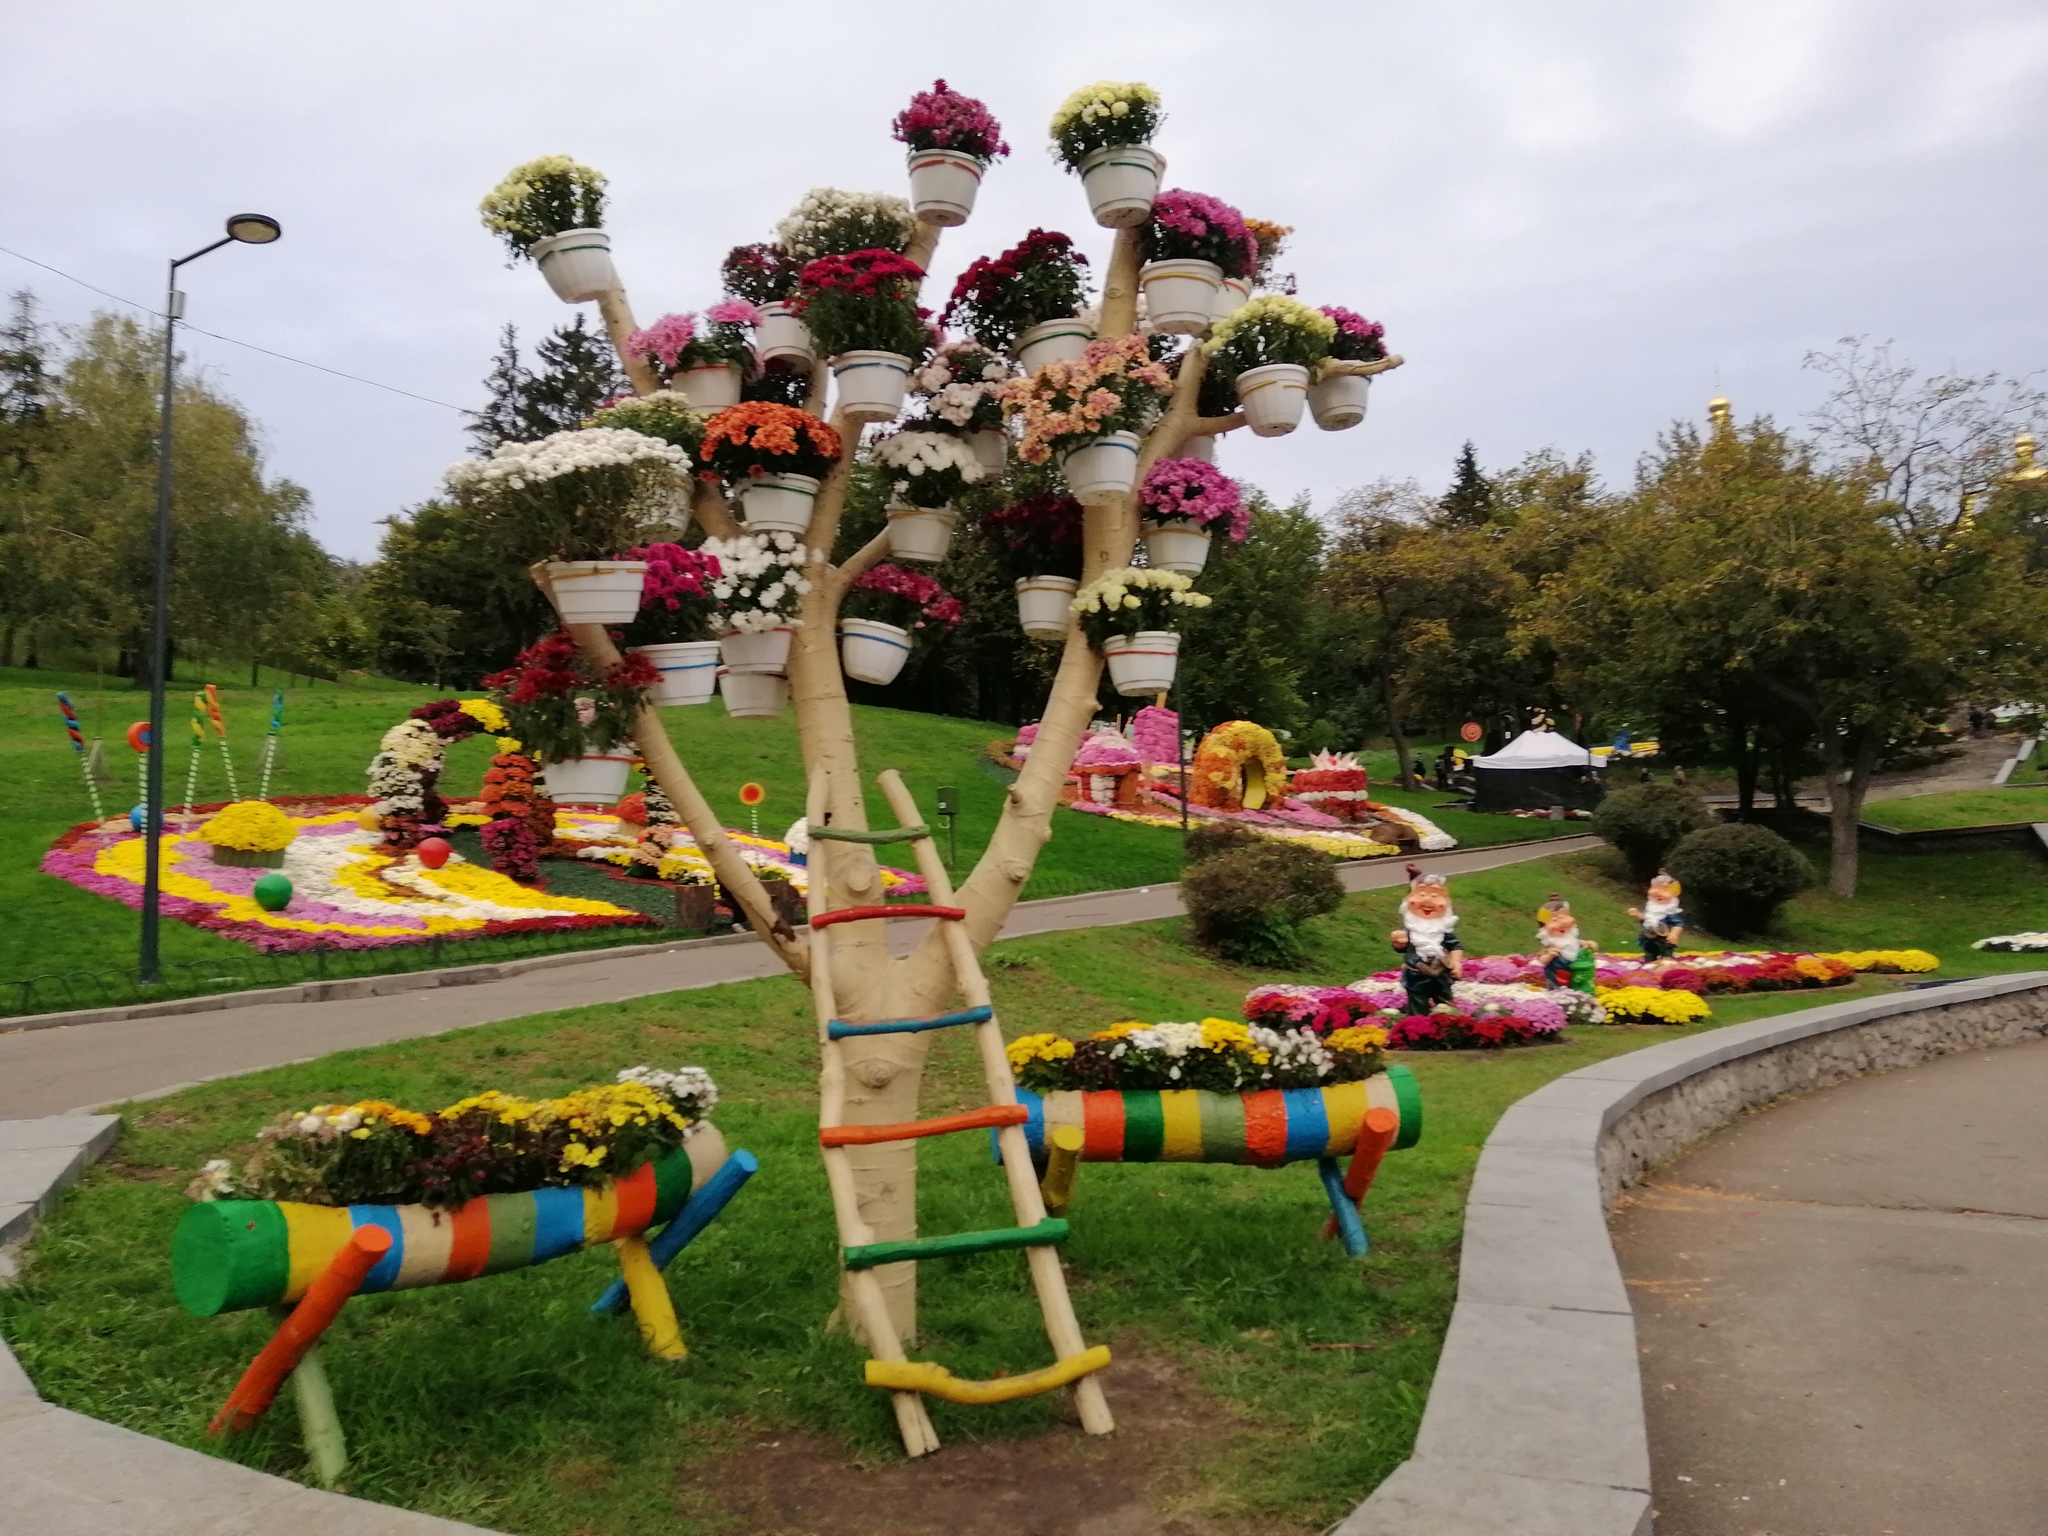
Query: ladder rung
pixel 910 1130
pixel 924 1376
pixel 908 909
pixel 839 1029
pixel 885 835
pixel 1050 1230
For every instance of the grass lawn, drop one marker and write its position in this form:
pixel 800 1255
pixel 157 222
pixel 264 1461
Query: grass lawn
pixel 503 1402
pixel 1965 808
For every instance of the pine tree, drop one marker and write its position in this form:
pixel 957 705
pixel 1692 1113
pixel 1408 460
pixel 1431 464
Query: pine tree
pixel 578 372
pixel 1469 501
pixel 502 419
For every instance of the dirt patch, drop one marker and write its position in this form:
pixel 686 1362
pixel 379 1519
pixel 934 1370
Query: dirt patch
pixel 1141 1481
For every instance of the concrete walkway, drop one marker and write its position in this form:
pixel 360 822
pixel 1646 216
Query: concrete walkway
pixel 1841 1314
pixel 56 1070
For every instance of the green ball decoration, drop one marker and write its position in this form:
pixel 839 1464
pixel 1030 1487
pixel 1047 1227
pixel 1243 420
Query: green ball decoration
pixel 273 893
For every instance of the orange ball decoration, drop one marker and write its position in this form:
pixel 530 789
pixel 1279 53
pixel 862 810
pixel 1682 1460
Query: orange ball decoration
pixel 138 735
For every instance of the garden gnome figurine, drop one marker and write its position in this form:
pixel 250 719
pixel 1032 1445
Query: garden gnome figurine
pixel 1427 941
pixel 1564 953
pixel 1662 919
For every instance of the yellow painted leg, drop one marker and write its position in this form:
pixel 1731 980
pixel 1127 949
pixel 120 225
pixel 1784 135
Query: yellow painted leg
pixel 648 1292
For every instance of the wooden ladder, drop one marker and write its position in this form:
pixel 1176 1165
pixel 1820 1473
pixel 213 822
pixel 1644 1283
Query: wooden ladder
pixel 1036 1232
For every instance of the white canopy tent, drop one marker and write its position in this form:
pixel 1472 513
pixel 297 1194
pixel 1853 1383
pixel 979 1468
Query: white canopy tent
pixel 1535 771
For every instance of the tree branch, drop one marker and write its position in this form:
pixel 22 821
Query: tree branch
pixel 713 512
pixel 618 323
pixel 865 558
pixel 1341 368
pixel 1120 288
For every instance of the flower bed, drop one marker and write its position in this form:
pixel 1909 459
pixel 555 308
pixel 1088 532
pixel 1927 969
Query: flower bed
pixel 1219 1055
pixel 608 839
pixel 2013 943
pixel 1712 971
pixel 1453 1031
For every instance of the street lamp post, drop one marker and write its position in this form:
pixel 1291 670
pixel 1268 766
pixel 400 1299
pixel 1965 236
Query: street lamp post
pixel 246 229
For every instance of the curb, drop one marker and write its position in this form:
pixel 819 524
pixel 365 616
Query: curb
pixel 1534 1424
pixel 40 1159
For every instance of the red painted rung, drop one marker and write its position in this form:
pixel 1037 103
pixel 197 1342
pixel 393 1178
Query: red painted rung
pixel 862 914
pixel 973 1120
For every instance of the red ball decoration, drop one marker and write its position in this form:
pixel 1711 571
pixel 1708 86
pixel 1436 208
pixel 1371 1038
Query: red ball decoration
pixel 433 852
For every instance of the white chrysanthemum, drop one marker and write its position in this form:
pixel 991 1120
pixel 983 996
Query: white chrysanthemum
pixel 802 234
pixel 513 466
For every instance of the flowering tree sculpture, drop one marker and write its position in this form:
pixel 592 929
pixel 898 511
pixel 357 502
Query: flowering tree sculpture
pixel 1096 400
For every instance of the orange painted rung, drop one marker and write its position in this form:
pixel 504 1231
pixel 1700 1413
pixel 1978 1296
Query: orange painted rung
pixel 945 1125
pixel 907 909
pixel 299 1332
pixel 1375 1137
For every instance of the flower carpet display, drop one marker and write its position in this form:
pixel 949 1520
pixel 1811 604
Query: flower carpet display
pixel 608 839
pixel 2013 943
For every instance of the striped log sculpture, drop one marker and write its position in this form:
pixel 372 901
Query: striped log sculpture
pixel 1265 1129
pixel 229 1255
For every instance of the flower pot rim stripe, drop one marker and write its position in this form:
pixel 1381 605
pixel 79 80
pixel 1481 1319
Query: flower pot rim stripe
pixel 923 157
pixel 900 640
pixel 1097 158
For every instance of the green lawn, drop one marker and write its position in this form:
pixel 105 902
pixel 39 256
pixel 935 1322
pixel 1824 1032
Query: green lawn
pixel 1965 808
pixel 503 1402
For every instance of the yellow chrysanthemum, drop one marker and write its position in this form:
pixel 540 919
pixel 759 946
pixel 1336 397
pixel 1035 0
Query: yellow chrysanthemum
pixel 255 826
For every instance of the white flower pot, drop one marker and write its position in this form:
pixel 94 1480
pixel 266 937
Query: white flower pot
pixel 1045 604
pixel 1272 397
pixel 871 651
pixel 1052 341
pixel 1180 295
pixel 577 264
pixel 1339 402
pixel 782 338
pixel 923 534
pixel 1201 446
pixel 1232 294
pixel 779 503
pixel 598 779
pixel 689 671
pixel 991 449
pixel 1103 470
pixel 753 695
pixel 756 652
pixel 712 387
pixel 597 591
pixel 871 384
pixel 1121 182
pixel 942 185
pixel 1144 663
pixel 1180 547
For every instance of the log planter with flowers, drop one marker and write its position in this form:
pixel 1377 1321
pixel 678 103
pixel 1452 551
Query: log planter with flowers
pixel 1183 504
pixel 1269 350
pixel 1026 302
pixel 1191 243
pixel 952 139
pixel 1039 542
pixel 1089 414
pixel 862 309
pixel 1218 1091
pixel 1128 615
pixel 888 610
pixel 773 458
pixel 1103 134
pixel 345 1199
pixel 928 471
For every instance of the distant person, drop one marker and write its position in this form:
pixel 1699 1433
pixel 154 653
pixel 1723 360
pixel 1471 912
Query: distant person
pixel 1421 770
pixel 1644 776
pixel 1678 776
pixel 1443 770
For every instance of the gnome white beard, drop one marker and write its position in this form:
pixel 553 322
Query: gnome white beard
pixel 1426 934
pixel 1657 913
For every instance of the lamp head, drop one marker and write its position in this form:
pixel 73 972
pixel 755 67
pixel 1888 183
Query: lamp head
pixel 254 228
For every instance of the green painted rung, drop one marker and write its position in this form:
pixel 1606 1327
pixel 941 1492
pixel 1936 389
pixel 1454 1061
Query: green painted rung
pixel 1050 1230
pixel 885 835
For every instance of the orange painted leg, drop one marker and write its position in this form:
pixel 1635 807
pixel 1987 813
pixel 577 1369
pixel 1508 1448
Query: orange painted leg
pixel 298 1333
pixel 1375 1136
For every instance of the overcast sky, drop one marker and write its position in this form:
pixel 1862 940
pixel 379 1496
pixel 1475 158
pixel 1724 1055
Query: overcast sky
pixel 1577 220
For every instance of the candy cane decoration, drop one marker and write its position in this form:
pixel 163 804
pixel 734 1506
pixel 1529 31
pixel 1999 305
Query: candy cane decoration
pixel 78 748
pixel 270 742
pixel 220 727
pixel 198 747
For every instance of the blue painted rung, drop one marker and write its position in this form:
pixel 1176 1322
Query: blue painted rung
pixel 839 1029
pixel 698 1212
pixel 1349 1227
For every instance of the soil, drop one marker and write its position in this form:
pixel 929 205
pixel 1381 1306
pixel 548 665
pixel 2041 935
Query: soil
pixel 1141 1481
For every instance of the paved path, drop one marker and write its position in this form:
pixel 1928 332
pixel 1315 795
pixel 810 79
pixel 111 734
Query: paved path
pixel 1840 1308
pixel 54 1071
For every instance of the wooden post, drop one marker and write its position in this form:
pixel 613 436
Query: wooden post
pixel 1342 1212
pixel 1375 1137
pixel 316 1311
pixel 618 322
pixel 1063 1161
pixel 319 1424
pixel 652 1308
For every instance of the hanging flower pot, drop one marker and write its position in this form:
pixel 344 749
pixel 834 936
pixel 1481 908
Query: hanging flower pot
pixel 991 449
pixel 708 387
pixel 1339 401
pixel 689 671
pixel 1144 663
pixel 1272 397
pixel 753 695
pixel 923 534
pixel 779 503
pixel 1180 295
pixel 1178 547
pixel 595 779
pixel 577 264
pixel 1052 341
pixel 1121 182
pixel 781 337
pixel 942 185
pixel 1045 605
pixel 871 651
pixel 1201 446
pixel 1102 470
pixel 756 652
pixel 1232 294
pixel 597 591
pixel 871 384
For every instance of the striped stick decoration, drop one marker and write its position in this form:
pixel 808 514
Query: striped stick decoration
pixel 77 736
pixel 220 729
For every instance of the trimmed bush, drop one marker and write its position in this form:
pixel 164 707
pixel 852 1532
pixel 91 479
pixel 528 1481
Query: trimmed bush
pixel 1737 876
pixel 1248 903
pixel 1645 822
pixel 1206 839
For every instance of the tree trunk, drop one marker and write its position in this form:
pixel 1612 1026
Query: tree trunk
pixel 256 674
pixel 1394 730
pixel 7 644
pixel 1743 749
pixel 1848 779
